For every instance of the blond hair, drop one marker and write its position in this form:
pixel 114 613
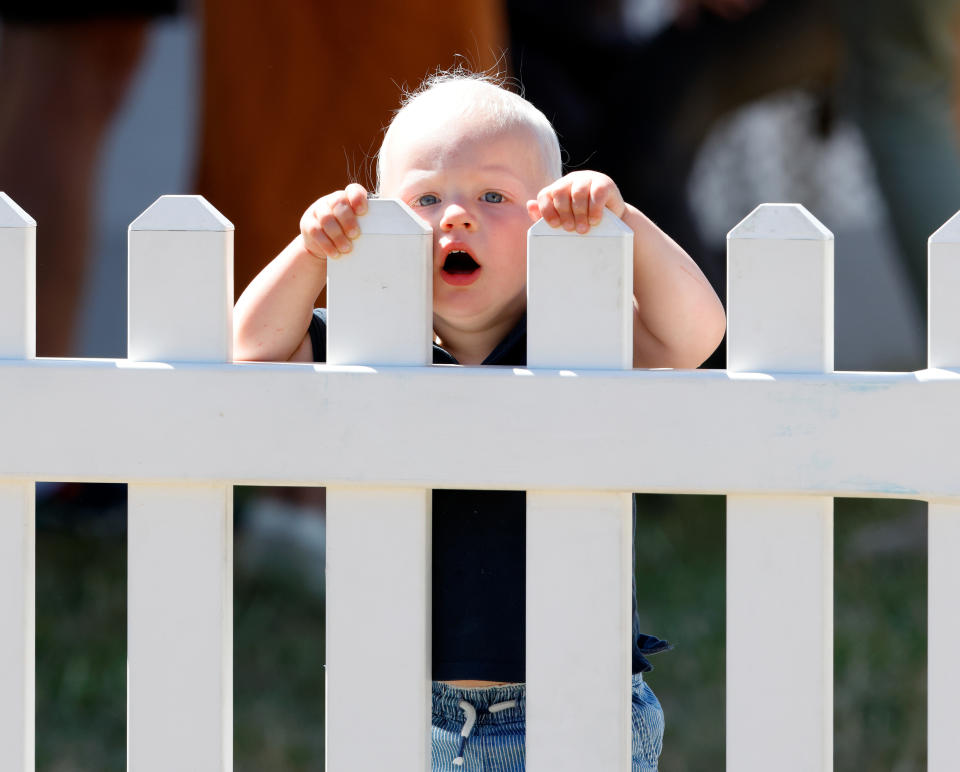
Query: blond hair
pixel 466 94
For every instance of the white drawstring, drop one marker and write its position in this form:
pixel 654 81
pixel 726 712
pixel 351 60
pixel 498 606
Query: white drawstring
pixel 470 718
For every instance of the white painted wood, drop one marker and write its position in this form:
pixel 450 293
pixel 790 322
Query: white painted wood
pixel 780 423
pixel 943 567
pixel 578 631
pixel 779 632
pixel 842 434
pixel 180 628
pixel 378 629
pixel 943 310
pixel 579 315
pixel 780 549
pixel 943 633
pixel 582 318
pixel 18 281
pixel 180 283
pixel 780 292
pixel 17 572
pixel 17 530
pixel 379 300
pixel 380 296
pixel 180 535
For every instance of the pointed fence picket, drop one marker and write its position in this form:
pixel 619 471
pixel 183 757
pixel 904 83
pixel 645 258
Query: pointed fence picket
pixel 579 548
pixel 780 548
pixel 18 238
pixel 780 432
pixel 378 539
pixel 180 536
pixel 943 526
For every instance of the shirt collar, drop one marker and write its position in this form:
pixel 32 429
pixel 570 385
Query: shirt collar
pixel 511 351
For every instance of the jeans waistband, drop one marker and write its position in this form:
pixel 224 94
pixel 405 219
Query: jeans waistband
pixel 446 701
pixel 447 698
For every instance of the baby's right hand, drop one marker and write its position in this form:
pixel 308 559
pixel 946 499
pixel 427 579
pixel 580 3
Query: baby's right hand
pixel 329 225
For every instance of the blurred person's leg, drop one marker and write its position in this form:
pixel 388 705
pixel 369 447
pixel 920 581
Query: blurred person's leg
pixel 61 85
pixel 901 62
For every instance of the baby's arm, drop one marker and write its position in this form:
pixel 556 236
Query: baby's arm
pixel 272 316
pixel 678 318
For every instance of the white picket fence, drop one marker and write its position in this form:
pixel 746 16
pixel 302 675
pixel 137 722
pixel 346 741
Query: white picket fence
pixel 780 433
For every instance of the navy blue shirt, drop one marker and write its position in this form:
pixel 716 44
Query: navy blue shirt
pixel 479 561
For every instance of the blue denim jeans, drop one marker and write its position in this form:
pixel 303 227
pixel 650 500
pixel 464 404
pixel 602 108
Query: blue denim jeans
pixel 495 717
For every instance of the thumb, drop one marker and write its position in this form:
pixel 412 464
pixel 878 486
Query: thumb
pixel 533 209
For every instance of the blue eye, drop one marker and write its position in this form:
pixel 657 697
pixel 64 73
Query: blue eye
pixel 427 199
pixel 492 197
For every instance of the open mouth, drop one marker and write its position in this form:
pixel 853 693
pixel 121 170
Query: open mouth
pixel 459 263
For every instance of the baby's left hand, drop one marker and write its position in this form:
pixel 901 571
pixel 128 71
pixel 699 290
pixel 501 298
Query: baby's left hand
pixel 576 202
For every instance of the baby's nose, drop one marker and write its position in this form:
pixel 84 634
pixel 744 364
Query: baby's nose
pixel 455 216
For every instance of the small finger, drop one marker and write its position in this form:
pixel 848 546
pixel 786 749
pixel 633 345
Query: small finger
pixel 605 195
pixel 599 194
pixel 318 244
pixel 533 209
pixel 332 229
pixel 580 204
pixel 357 197
pixel 596 211
pixel 310 231
pixel 547 210
pixel 346 217
pixel 561 202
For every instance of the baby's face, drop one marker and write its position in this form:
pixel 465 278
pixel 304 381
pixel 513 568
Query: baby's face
pixel 471 184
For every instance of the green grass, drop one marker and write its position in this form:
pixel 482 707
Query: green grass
pixel 880 612
pixel 278 673
pixel 81 614
pixel 880 616
pixel 680 595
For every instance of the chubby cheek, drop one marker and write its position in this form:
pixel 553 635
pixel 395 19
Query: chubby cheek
pixel 515 271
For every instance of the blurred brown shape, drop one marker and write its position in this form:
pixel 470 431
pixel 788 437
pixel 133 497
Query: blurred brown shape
pixel 62 83
pixel 296 94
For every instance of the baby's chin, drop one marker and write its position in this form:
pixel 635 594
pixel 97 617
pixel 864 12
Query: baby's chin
pixel 468 314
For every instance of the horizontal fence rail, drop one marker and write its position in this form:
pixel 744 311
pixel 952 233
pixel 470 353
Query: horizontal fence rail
pixel 794 433
pixel 780 432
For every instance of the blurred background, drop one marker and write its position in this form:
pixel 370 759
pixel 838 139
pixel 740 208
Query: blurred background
pixel 699 109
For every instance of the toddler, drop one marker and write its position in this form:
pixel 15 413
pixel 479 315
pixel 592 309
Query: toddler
pixel 480 164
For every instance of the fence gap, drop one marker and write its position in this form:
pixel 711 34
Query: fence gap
pixel 81 612
pixel 579 556
pixel 943 621
pixel 880 609
pixel 17 514
pixel 380 300
pixel 780 548
pixel 278 627
pixel 180 537
pixel 679 563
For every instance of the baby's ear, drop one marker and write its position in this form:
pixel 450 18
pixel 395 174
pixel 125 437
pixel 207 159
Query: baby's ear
pixel 533 209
